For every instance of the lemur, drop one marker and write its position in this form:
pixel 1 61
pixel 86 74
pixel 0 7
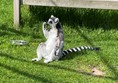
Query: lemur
pixel 52 48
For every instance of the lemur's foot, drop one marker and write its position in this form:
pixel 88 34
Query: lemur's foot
pixel 47 61
pixel 35 59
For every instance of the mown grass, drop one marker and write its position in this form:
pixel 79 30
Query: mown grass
pixel 81 27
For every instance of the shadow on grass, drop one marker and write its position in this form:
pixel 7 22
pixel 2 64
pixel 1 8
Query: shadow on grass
pixel 81 53
pixel 99 53
pixel 13 69
pixel 35 77
pixel 73 55
pixel 91 18
pixel 6 30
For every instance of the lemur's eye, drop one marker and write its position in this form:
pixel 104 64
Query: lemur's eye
pixel 50 22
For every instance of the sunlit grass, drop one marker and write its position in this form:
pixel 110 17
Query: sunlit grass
pixel 15 61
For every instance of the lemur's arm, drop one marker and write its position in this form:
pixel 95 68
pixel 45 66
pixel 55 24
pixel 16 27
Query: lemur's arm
pixel 60 42
pixel 59 46
pixel 45 32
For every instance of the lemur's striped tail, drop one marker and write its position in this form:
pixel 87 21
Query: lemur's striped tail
pixel 65 52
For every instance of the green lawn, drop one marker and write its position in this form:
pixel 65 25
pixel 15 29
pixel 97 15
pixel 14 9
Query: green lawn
pixel 15 61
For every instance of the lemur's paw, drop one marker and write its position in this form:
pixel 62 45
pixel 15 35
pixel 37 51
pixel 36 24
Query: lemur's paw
pixel 44 23
pixel 35 59
pixel 47 61
pixel 57 52
pixel 57 60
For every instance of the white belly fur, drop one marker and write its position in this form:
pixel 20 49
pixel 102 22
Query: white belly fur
pixel 51 41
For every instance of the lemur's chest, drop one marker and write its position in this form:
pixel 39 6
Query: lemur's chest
pixel 52 39
pixel 52 36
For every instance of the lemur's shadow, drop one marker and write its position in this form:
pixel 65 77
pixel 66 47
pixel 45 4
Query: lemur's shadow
pixel 73 55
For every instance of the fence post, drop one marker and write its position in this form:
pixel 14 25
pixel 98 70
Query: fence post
pixel 16 13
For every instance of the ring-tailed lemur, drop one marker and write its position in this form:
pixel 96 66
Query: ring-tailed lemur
pixel 52 49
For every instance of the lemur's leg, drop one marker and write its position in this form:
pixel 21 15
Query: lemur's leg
pixel 45 31
pixel 39 57
pixel 39 52
pixel 59 48
pixel 51 57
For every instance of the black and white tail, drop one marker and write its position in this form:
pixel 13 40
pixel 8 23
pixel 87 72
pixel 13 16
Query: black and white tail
pixel 65 52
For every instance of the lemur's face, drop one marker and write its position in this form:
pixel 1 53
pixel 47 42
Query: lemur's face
pixel 53 21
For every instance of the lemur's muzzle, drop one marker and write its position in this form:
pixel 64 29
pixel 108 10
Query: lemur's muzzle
pixel 50 22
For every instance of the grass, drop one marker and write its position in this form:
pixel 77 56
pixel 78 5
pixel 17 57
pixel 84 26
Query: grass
pixel 96 30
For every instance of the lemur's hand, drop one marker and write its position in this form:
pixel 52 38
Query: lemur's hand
pixel 44 23
pixel 57 52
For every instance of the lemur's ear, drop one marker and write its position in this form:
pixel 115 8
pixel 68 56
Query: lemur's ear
pixel 56 20
pixel 52 16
